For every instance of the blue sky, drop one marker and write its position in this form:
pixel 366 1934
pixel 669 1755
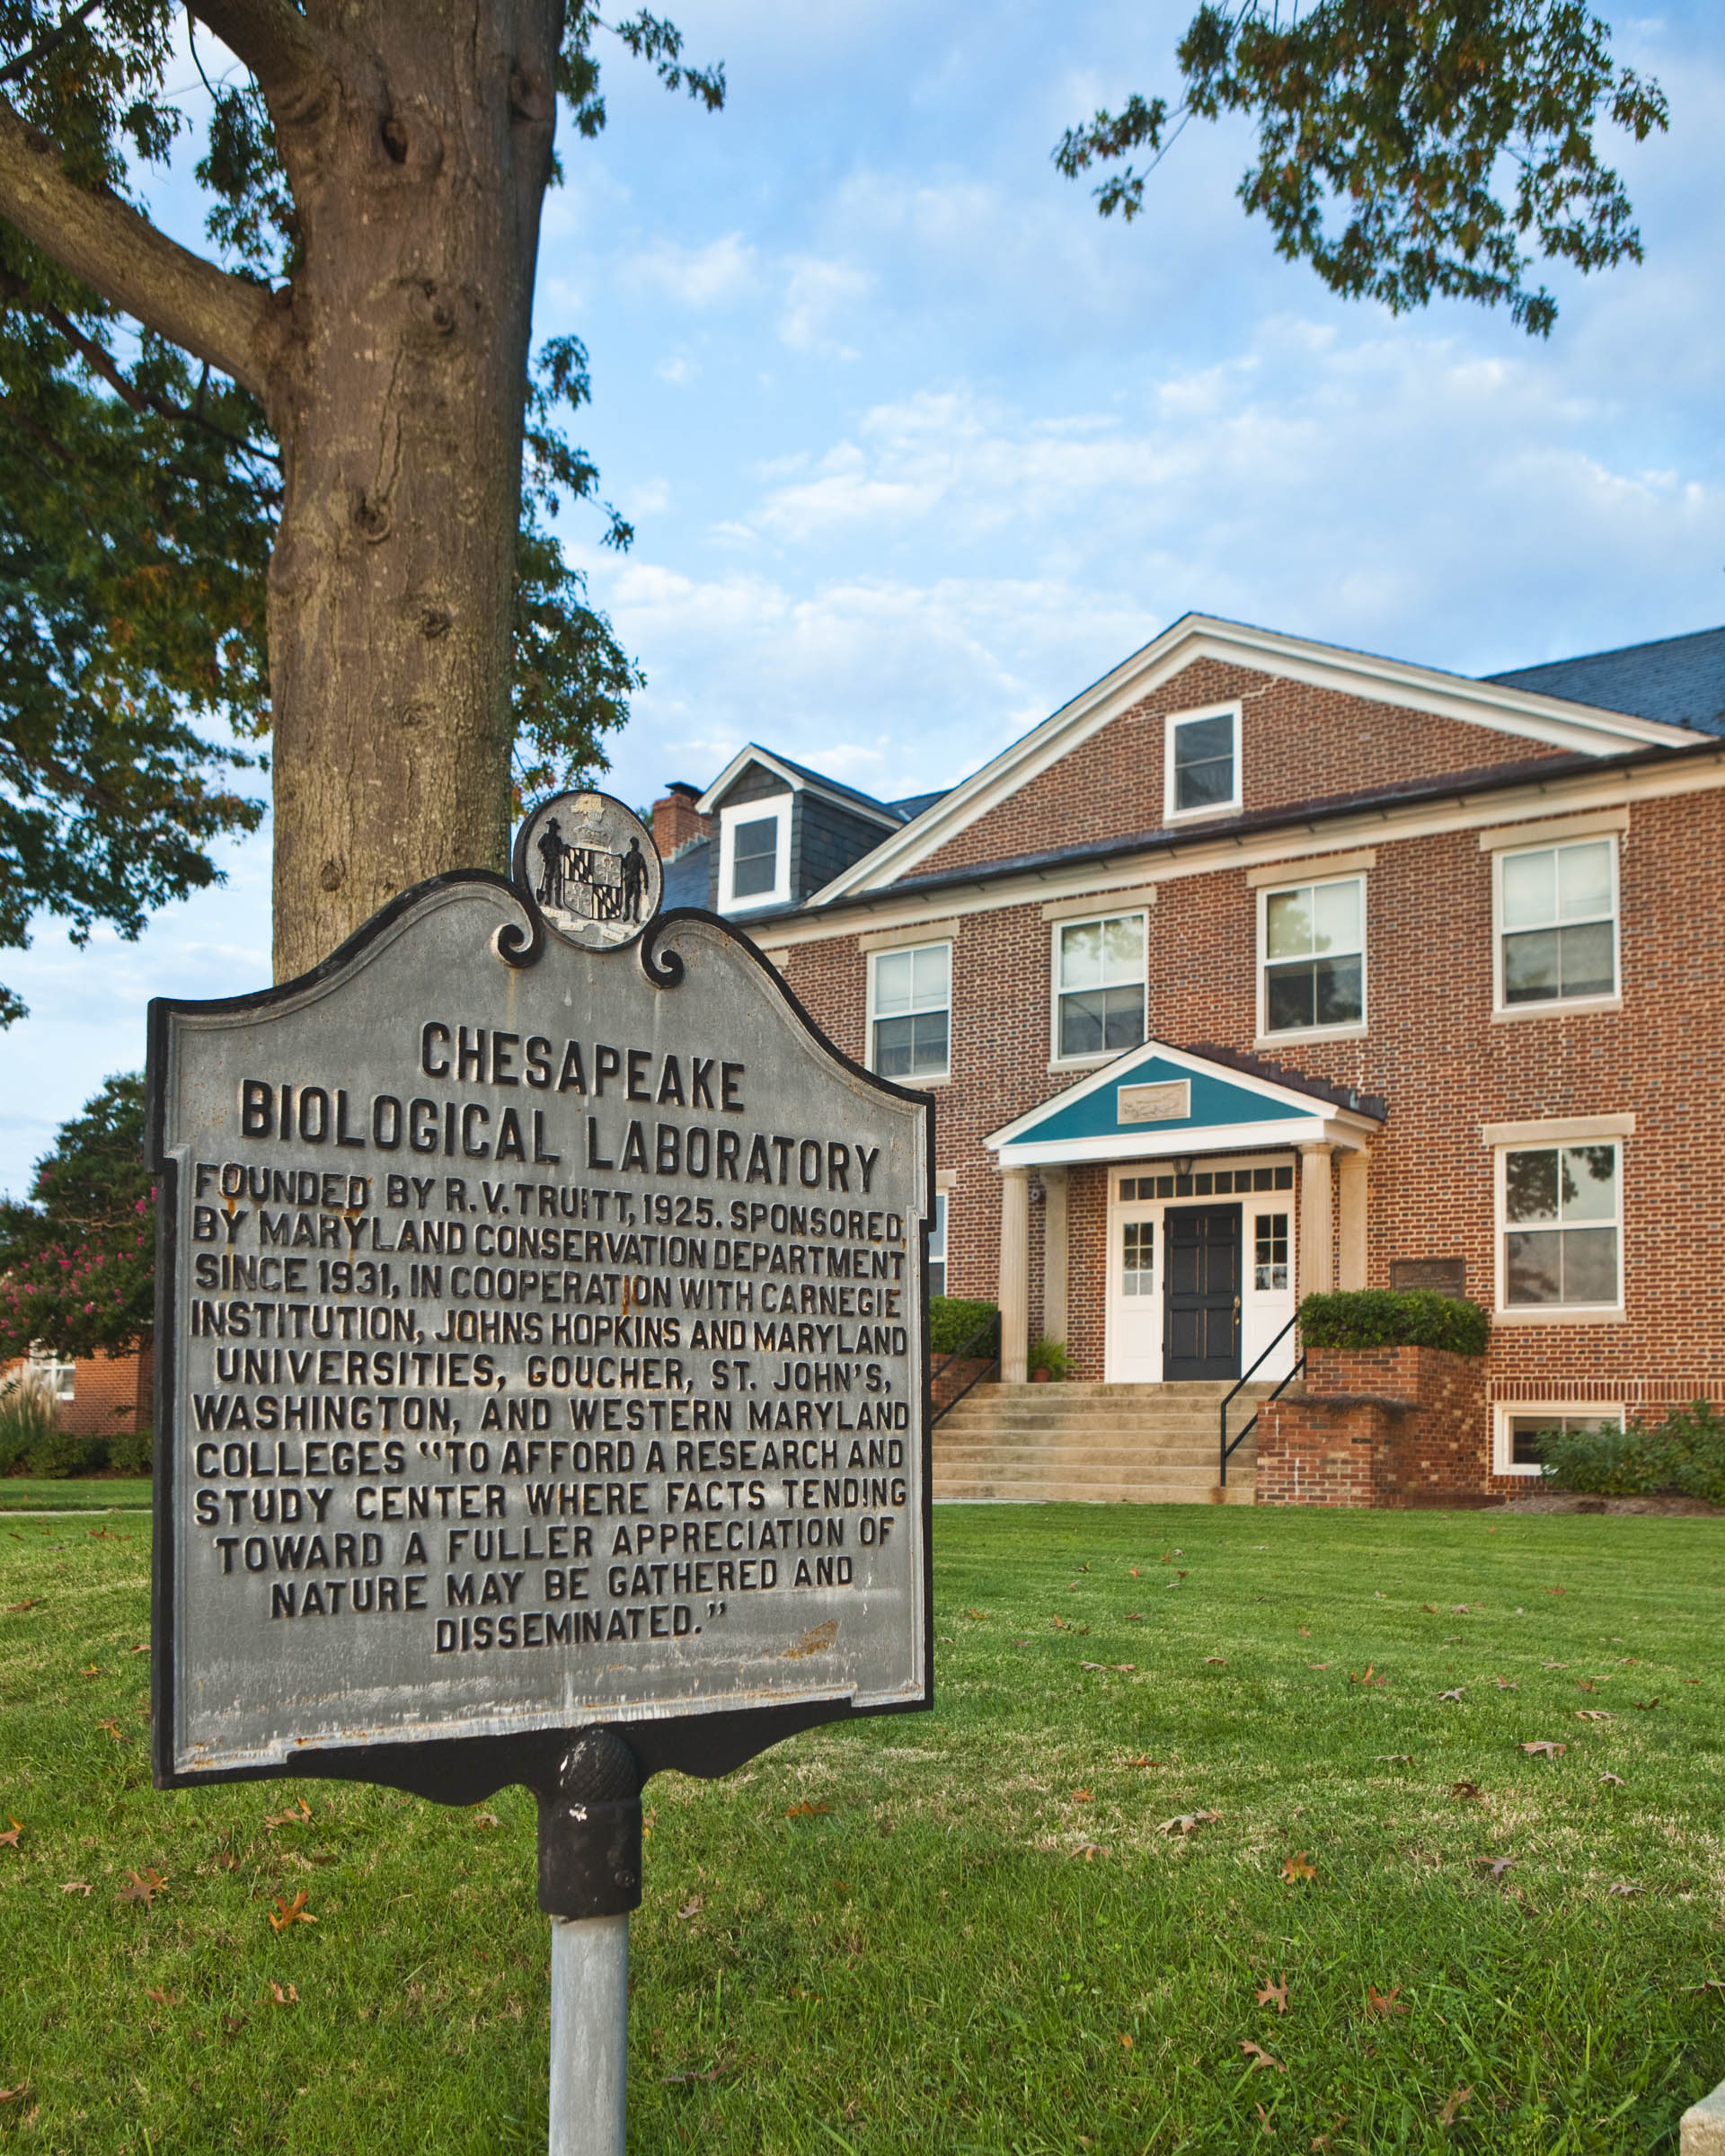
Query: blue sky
pixel 917 446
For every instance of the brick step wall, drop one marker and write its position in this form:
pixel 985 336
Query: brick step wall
pixel 1099 1443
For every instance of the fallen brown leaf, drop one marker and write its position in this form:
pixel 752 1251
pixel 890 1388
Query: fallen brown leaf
pixel 1385 2004
pixel 286 1912
pixel 1274 1994
pixel 807 1811
pixel 1591 1714
pixel 163 1997
pixel 484 1819
pixel 1624 1889
pixel 1466 1791
pixel 1456 1694
pixel 1090 1851
pixel 11 2096
pixel 1497 1866
pixel 143 1649
pixel 692 1907
pixel 1451 2105
pixel 1264 2126
pixel 1125 2043
pixel 290 1997
pixel 1081 1797
pixel 1143 1759
pixel 1260 2056
pixel 1222 1659
pixel 1299 1866
pixel 1506 1684
pixel 1187 1822
pixel 75 1887
pixel 115 1731
pixel 9 1840
pixel 1542 1747
pixel 1647 1706
pixel 1615 1778
pixel 143 1887
pixel 17 1609
pixel 297 1815
pixel 1393 1759
pixel 1317 1665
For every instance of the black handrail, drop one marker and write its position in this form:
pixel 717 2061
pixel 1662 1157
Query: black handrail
pixel 1250 1423
pixel 988 1331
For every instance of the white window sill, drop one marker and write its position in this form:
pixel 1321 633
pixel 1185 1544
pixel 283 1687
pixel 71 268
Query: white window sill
pixel 1558 1314
pixel 1517 1467
pixel 1200 816
pixel 915 1081
pixel 1299 1033
pixel 1061 1063
pixel 1557 1006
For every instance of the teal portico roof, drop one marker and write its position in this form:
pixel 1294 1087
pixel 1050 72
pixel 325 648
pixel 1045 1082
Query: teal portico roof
pixel 1156 1102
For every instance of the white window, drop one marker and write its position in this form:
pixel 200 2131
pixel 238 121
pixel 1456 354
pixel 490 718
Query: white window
pixel 1557 924
pixel 1099 986
pixel 910 996
pixel 755 855
pixel 1311 937
pixel 1201 762
pixel 1521 1425
pixel 1270 1254
pixel 1139 1258
pixel 937 1246
pixel 1560 1241
pixel 61 1377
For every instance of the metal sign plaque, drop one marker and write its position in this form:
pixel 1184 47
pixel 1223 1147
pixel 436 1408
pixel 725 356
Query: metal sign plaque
pixel 541 1340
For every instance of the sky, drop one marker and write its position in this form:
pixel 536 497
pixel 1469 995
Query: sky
pixel 917 446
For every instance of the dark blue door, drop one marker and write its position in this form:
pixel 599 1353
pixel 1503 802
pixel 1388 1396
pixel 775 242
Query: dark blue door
pixel 1202 1276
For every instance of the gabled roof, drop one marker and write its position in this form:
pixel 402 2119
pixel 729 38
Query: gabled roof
pixel 1582 727
pixel 1680 679
pixel 1231 1102
pixel 799 778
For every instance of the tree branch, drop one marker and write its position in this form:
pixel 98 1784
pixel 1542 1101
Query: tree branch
pixel 221 319
pixel 55 38
pixel 293 66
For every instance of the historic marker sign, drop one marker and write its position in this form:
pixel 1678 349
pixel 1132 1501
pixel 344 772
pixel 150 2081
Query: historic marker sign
pixel 540 1341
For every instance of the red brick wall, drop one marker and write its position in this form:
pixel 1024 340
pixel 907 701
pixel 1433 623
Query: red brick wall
pixel 1385 1425
pixel 111 1394
pixel 1433 1050
pixel 1296 744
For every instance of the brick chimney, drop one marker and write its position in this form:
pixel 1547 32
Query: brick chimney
pixel 677 819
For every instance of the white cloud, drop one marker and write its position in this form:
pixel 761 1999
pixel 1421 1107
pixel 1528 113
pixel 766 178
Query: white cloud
pixel 715 275
pixel 815 293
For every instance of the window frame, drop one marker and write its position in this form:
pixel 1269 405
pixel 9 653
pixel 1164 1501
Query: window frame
pixel 1549 1314
pixel 1556 1006
pixel 1171 725
pixel 1097 1057
pixel 902 951
pixel 941 1230
pixel 1353 1029
pixel 757 811
pixel 60 1371
pixel 1504 1412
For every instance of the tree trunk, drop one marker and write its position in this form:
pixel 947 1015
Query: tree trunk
pixel 398 403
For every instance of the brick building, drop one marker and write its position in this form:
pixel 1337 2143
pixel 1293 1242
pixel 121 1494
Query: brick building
pixel 1263 967
pixel 97 1396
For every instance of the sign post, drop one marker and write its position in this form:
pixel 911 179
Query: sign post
pixel 542 1382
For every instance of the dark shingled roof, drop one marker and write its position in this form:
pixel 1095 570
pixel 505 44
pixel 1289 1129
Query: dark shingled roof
pixel 1680 679
pixel 914 804
pixel 687 880
pixel 837 786
pixel 1299 1081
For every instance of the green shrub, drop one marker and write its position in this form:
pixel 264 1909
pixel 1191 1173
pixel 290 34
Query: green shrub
pixel 27 1421
pixel 1681 1456
pixel 1049 1355
pixel 952 1321
pixel 58 1455
pixel 1378 1317
pixel 132 1451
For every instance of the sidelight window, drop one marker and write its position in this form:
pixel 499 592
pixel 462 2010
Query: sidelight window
pixel 1270 1254
pixel 1137 1258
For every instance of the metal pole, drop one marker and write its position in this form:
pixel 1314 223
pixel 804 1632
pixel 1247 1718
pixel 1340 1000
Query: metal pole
pixel 590 2034
pixel 590 1880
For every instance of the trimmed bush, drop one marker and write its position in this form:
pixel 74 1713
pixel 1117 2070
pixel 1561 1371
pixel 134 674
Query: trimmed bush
pixel 952 1322
pixel 132 1453
pixel 1379 1317
pixel 1681 1456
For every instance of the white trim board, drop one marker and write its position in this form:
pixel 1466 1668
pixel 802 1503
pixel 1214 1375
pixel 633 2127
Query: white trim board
pixel 797 780
pixel 1547 719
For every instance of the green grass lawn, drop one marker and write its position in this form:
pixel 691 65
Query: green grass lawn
pixel 968 1931
pixel 74 1493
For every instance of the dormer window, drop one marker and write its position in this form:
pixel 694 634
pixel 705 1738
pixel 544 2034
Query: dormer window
pixel 1201 762
pixel 755 853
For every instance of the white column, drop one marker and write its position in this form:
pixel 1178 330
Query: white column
pixel 1014 1288
pixel 1317 1222
pixel 1054 1254
pixel 1353 1173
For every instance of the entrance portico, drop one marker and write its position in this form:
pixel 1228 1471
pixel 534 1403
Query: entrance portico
pixel 1221 1209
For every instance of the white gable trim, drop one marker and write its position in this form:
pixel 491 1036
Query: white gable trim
pixel 797 780
pixel 1549 720
pixel 1114 1070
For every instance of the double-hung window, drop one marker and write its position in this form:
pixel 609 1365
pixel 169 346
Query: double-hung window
pixel 937 1246
pixel 1561 1227
pixel 1557 915
pixel 1098 985
pixel 755 853
pixel 912 997
pixel 1201 762
pixel 1314 942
